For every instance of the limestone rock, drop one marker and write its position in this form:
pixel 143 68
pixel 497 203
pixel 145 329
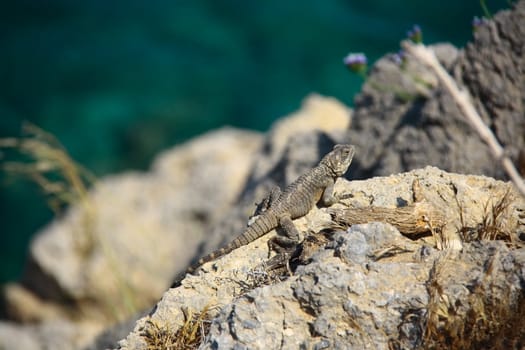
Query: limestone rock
pixel 369 286
pixel 493 67
pixel 118 251
pixel 55 334
pixel 403 119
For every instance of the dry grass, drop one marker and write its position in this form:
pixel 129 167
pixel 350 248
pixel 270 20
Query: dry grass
pixel 493 223
pixel 492 226
pixel 187 337
pixel 40 157
pixel 485 318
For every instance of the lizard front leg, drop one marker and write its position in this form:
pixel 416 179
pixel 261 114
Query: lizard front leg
pixel 266 203
pixel 270 199
pixel 329 197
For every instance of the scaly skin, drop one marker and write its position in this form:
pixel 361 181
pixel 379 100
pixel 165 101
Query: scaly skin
pixel 294 202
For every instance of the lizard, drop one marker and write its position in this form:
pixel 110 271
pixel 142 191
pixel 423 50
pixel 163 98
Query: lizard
pixel 297 199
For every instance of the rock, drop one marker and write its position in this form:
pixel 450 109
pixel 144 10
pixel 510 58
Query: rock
pixel 367 287
pixel 17 337
pixel 110 336
pixel 319 115
pixel 403 118
pixel 116 252
pixel 493 68
pixel 56 334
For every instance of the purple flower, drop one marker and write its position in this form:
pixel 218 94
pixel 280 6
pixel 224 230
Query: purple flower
pixel 399 57
pixel 478 23
pixel 415 34
pixel 356 62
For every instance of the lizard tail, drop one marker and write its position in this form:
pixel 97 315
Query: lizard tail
pixel 262 225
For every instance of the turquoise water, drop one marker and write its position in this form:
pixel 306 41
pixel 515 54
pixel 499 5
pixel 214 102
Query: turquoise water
pixel 118 82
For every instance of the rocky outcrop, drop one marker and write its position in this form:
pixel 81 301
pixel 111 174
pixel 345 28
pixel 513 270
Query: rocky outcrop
pixel 467 298
pixel 493 68
pixel 368 285
pixel 404 119
pixel 116 253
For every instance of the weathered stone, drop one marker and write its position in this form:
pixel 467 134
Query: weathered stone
pixel 352 294
pixel 403 119
pixel 117 251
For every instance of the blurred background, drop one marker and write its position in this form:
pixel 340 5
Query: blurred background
pixel 117 82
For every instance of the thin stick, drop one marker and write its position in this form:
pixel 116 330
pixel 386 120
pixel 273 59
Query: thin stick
pixel 462 98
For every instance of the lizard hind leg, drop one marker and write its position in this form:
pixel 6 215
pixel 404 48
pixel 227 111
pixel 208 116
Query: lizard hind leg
pixel 289 228
pixel 287 241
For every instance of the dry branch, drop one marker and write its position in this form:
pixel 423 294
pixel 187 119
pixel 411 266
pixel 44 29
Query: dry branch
pixel 411 220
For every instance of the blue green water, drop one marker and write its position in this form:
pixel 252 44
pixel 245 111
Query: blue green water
pixel 119 81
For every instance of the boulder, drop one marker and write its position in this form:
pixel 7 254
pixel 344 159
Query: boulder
pixel 116 252
pixel 404 119
pixel 368 285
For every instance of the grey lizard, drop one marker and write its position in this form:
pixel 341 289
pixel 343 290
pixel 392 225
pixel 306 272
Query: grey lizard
pixel 280 208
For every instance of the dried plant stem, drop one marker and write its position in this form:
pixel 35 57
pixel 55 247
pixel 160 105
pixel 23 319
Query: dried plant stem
pixel 462 98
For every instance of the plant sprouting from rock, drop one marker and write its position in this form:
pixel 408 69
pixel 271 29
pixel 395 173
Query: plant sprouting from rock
pixel 415 34
pixel 478 22
pixel 189 336
pixel 356 63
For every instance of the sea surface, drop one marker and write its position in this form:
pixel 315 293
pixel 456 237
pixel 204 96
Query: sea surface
pixel 118 81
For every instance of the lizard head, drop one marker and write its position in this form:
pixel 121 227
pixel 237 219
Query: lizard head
pixel 339 159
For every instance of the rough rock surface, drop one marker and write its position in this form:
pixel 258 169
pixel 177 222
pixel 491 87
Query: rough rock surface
pixel 493 68
pixel 346 302
pixel 404 119
pixel 349 295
